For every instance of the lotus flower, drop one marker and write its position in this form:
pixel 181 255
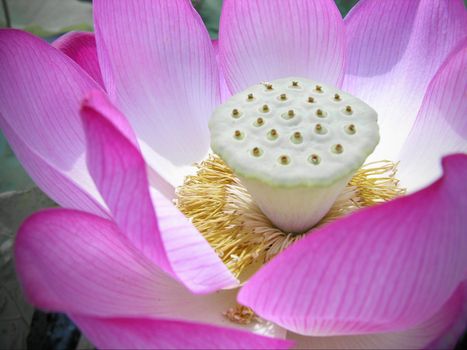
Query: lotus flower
pixel 106 125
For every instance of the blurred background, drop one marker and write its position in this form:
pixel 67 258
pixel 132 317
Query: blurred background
pixel 22 327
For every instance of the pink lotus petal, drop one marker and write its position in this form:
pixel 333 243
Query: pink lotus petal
pixel 453 333
pixel 81 48
pixel 159 68
pixel 99 102
pixel 441 124
pixel 167 334
pixel 159 230
pixel 265 40
pixel 40 94
pixel 73 262
pixel 418 337
pixel 395 48
pixel 76 262
pixel 225 93
pixel 383 269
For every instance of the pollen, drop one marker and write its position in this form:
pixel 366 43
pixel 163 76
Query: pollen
pixel 243 237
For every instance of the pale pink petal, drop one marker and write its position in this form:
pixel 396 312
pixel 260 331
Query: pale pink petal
pixel 166 334
pixel 418 337
pixel 81 48
pixel 98 101
pixel 265 40
pixel 73 262
pixel 159 230
pixel 158 66
pixel 40 94
pixel 395 48
pixel 441 124
pixel 225 93
pixel 385 268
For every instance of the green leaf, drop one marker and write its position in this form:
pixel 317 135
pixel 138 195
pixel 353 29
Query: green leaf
pixel 49 17
pixel 15 312
pixel 13 176
pixel 210 11
pixel 345 6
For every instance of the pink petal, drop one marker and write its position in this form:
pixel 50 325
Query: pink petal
pixel 40 94
pixel 385 268
pixel 167 334
pixel 77 263
pixel 418 337
pixel 225 93
pixel 159 230
pixel 395 48
pixel 441 124
pixel 453 333
pixel 81 48
pixel 265 40
pixel 159 68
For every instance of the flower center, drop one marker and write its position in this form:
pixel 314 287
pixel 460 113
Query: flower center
pixel 294 144
pixel 244 238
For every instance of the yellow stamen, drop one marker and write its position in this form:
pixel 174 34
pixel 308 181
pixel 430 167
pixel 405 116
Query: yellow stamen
pixel 241 314
pixel 243 237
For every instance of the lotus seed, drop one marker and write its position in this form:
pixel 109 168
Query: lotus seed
pixel 235 113
pixel 337 97
pixel 314 159
pixel 265 108
pixel 256 151
pixel 319 113
pixel 296 137
pixel 348 109
pixel 238 135
pixel 311 99
pixel 338 148
pixel 351 129
pixel 284 160
pixel 250 97
pixel 318 88
pixel 259 122
pixel 319 129
pixel 272 134
pixel 295 83
pixel 283 97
